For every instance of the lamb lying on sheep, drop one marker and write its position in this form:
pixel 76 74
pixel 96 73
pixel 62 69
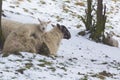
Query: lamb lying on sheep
pixel 52 39
pixel 24 39
pixel 8 26
pixel 109 40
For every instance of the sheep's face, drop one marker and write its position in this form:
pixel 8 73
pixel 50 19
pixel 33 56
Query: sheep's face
pixel 109 35
pixel 65 31
pixel 43 25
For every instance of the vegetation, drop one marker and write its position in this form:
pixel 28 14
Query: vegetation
pixel 95 27
pixel 1 37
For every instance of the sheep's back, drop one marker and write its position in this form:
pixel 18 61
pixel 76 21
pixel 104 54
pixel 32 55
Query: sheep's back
pixel 8 26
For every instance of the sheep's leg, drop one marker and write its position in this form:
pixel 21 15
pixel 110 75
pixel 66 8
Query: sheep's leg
pixel 44 50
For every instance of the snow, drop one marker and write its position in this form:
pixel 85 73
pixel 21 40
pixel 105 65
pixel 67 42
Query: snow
pixel 77 59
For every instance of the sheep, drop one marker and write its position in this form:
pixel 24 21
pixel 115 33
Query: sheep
pixel 109 40
pixel 16 43
pixel 8 26
pixel 23 39
pixel 52 39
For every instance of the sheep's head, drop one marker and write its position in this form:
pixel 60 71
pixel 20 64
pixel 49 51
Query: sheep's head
pixel 64 30
pixel 43 25
pixel 109 35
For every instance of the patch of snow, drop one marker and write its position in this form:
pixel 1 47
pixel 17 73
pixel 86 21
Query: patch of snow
pixel 78 58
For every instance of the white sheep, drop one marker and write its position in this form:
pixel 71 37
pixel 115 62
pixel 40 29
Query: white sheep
pixel 109 40
pixel 24 39
pixel 52 39
pixel 9 25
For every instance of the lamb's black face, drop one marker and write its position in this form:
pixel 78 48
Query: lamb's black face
pixel 65 31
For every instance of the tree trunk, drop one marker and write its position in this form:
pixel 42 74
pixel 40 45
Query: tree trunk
pixel 100 24
pixel 89 16
pixel 87 20
pixel 1 36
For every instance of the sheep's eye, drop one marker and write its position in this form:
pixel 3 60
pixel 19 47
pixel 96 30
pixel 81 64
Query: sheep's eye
pixel 43 28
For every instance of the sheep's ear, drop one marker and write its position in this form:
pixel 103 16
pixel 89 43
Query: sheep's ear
pixel 39 20
pixel 107 33
pixel 52 25
pixel 112 33
pixel 59 26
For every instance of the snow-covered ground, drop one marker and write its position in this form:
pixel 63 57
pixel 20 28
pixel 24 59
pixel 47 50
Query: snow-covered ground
pixel 78 58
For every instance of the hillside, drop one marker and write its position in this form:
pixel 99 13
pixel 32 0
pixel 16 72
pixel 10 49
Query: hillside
pixel 78 58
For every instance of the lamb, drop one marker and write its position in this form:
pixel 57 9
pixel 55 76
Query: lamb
pixel 24 39
pixel 8 26
pixel 109 40
pixel 52 39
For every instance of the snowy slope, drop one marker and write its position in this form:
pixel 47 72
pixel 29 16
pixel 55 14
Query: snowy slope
pixel 78 58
